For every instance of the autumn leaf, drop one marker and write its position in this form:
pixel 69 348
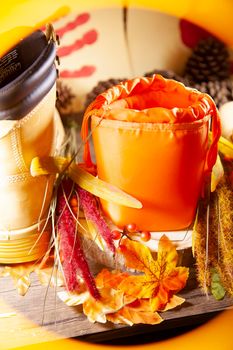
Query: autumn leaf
pixel 132 299
pixel 46 273
pixel 224 146
pixel 111 301
pixel 217 174
pixel 110 279
pixel 50 276
pixel 73 299
pixel 161 278
pixel 56 165
pixel 89 230
pixel 20 275
pixel 137 256
pixel 130 316
pixel 173 302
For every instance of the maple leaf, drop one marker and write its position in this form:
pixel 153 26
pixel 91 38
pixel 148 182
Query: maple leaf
pixel 110 279
pixel 173 302
pixel 50 276
pixel 111 301
pixel 161 278
pixel 134 315
pixel 73 298
pixel 133 299
pixel 20 274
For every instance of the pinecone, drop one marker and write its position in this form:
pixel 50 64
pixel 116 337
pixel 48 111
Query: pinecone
pixel 168 74
pixel 64 96
pixel 102 86
pixel 208 62
pixel 220 91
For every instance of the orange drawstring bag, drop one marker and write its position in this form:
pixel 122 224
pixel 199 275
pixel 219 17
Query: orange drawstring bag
pixel 151 140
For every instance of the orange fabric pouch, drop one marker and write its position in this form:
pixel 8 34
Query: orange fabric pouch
pixel 151 140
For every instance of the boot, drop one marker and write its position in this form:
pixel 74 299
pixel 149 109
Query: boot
pixel 29 127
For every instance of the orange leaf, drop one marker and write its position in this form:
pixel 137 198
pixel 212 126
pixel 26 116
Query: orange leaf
pixel 137 286
pixel 137 256
pixel 131 316
pixel 174 302
pixel 167 251
pixel 50 276
pixel 159 299
pixel 161 278
pixel 111 300
pixel 20 274
pixel 129 299
pixel 110 279
pixel 176 280
pixel 133 299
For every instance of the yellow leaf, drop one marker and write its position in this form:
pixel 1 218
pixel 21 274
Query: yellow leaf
pixel 101 188
pixel 20 274
pixel 131 316
pixel 132 299
pixel 159 299
pixel 22 284
pixel 128 299
pixel 217 174
pixel 167 252
pixel 176 279
pixel 90 183
pixel 224 146
pixel 173 302
pixel 88 230
pixel 138 286
pixel 48 165
pixel 161 278
pixel 49 276
pixel 111 300
pixel 5 272
pixel 137 256
pixel 107 279
pixel 73 299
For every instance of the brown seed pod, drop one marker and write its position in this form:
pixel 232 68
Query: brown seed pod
pixel 200 247
pixel 225 229
pixel 213 238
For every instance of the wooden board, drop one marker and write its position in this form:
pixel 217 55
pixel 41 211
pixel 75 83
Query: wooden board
pixel 65 322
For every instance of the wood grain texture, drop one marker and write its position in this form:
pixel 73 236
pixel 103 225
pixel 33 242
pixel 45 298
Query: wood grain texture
pixel 69 322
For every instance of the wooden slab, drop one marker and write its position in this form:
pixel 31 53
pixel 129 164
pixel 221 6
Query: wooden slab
pixel 30 311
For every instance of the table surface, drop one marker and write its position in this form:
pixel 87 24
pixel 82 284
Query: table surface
pixel 25 315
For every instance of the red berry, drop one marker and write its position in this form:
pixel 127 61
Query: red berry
pixel 131 228
pixel 145 236
pixel 74 202
pixel 116 235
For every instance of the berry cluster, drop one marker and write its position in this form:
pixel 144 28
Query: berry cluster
pixel 129 231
